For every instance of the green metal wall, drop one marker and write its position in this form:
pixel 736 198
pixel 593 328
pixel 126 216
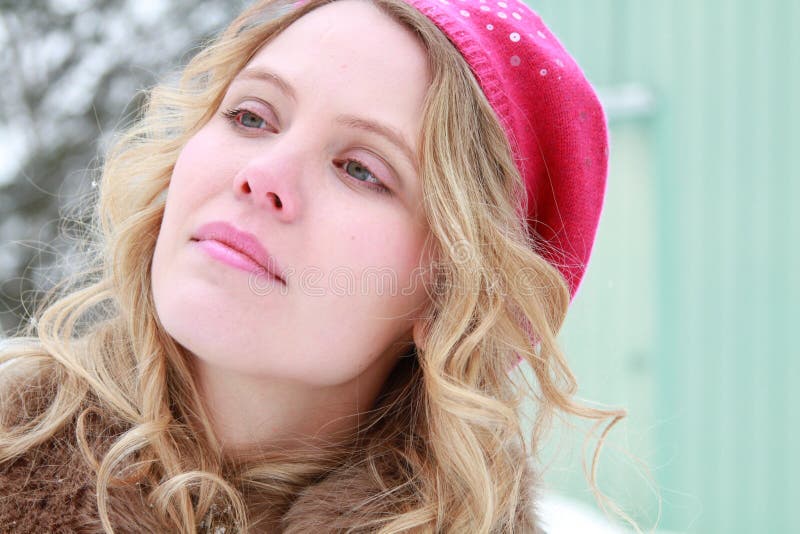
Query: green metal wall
pixel 687 312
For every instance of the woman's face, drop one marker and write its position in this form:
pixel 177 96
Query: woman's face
pixel 311 154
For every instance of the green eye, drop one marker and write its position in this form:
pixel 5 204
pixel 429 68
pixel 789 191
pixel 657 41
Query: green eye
pixel 251 120
pixel 359 171
pixel 244 118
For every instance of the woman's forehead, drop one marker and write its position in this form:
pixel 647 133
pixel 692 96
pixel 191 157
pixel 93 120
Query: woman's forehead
pixel 349 40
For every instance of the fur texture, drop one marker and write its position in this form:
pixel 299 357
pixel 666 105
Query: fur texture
pixel 51 489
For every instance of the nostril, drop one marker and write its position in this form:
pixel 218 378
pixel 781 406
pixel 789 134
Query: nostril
pixel 271 196
pixel 278 203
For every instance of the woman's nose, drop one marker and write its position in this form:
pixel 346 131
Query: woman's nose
pixel 270 186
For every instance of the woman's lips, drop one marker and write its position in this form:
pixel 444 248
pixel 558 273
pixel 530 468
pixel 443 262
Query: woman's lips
pixel 223 242
pixel 232 257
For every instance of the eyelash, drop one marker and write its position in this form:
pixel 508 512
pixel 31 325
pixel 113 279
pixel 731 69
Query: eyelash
pixel 233 114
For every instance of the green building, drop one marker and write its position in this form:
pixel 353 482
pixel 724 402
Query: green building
pixel 691 302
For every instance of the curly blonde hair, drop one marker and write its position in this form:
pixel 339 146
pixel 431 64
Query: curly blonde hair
pixel 443 450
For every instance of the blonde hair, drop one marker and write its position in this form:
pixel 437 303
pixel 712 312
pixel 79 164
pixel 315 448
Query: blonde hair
pixel 442 450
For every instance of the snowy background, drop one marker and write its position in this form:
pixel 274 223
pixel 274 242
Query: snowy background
pixel 73 72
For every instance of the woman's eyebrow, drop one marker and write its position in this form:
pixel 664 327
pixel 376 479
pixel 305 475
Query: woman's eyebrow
pixel 387 132
pixel 269 77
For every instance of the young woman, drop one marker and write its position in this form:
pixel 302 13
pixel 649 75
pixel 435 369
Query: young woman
pixel 318 260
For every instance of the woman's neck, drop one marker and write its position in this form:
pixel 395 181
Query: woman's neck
pixel 255 414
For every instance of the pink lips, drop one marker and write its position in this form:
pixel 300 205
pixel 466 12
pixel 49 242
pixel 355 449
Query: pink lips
pixel 236 248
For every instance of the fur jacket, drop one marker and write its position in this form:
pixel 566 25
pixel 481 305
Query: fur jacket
pixel 51 488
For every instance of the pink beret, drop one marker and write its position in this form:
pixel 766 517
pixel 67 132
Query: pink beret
pixel 550 113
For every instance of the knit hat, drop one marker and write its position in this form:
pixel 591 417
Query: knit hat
pixel 551 116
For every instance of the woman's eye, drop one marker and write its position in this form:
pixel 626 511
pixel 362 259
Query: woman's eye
pixel 246 119
pixel 251 120
pixel 360 172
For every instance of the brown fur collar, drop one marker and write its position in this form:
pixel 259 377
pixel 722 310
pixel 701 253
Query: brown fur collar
pixel 51 489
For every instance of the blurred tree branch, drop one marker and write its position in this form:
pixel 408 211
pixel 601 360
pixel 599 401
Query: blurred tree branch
pixel 72 74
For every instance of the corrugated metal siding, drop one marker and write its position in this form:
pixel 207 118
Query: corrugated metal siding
pixel 705 289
